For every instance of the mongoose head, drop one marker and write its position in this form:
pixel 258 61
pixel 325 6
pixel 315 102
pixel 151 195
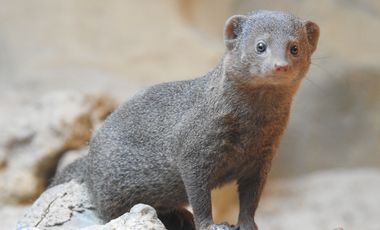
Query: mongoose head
pixel 268 47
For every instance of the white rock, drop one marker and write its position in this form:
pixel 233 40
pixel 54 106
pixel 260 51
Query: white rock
pixel 67 206
pixel 141 217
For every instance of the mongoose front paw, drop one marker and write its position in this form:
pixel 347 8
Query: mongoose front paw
pixel 223 227
pixel 219 227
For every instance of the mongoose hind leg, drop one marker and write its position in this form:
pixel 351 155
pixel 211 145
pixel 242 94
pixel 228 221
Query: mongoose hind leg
pixel 179 219
pixel 182 219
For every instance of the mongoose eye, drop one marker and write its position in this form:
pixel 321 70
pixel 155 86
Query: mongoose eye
pixel 294 50
pixel 261 46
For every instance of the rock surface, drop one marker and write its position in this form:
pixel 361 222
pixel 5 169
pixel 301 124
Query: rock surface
pixel 35 136
pixel 67 206
pixel 140 217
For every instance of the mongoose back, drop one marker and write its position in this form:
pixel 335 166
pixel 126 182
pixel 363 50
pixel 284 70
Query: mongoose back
pixel 171 144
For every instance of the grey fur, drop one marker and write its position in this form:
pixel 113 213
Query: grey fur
pixel 172 143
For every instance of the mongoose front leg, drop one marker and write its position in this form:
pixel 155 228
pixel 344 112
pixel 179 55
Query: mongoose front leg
pixel 250 188
pixel 200 199
pixel 199 195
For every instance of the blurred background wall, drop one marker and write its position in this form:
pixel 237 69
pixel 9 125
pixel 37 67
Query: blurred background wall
pixel 121 46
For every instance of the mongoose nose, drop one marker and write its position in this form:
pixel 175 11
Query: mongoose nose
pixel 281 67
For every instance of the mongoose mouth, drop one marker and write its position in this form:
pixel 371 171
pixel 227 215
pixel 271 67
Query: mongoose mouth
pixel 284 77
pixel 271 75
pixel 274 73
pixel 281 73
pixel 275 78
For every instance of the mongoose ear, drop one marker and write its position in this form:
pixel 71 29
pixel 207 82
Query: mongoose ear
pixel 232 30
pixel 312 32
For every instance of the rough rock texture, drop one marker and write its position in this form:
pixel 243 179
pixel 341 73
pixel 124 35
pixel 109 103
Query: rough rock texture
pixel 140 217
pixel 67 206
pixel 35 136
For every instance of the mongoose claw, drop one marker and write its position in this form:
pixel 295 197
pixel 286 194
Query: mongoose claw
pixel 219 227
pixel 223 226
